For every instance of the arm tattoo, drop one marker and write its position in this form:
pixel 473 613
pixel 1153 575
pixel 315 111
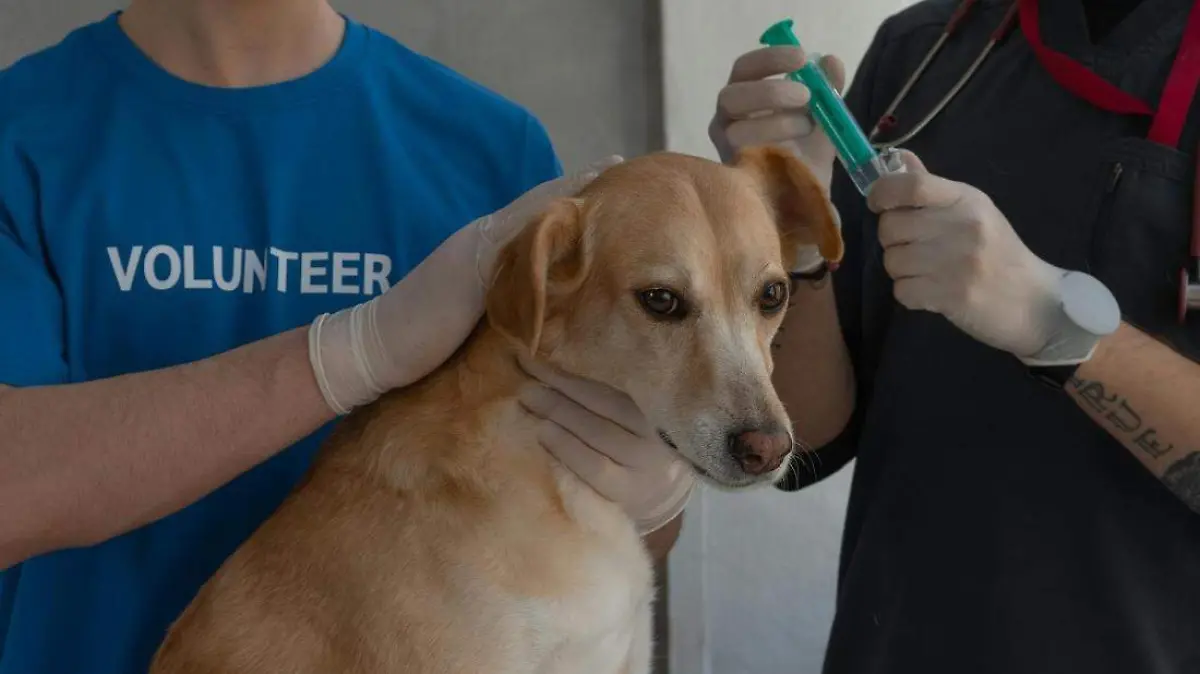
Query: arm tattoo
pixel 1182 477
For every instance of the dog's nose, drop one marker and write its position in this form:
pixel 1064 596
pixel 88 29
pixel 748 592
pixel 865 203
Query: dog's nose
pixel 760 451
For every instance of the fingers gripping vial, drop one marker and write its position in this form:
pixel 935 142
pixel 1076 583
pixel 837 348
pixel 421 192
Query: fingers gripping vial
pixel 854 150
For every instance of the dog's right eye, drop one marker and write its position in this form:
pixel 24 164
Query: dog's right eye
pixel 662 303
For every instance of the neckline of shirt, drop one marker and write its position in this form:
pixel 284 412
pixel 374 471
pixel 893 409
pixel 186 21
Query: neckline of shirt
pixel 112 41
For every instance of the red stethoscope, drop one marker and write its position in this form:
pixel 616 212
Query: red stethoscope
pixel 1167 119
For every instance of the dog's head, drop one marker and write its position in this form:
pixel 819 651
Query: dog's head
pixel 666 279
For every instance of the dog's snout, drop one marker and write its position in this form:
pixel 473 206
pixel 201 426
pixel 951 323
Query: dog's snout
pixel 760 450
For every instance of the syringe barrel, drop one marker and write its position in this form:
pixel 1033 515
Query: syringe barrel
pixel 829 111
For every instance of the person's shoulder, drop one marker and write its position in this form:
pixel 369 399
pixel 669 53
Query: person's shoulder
pixel 931 16
pixel 439 82
pixel 924 14
pixel 49 79
pixel 487 135
pixel 905 37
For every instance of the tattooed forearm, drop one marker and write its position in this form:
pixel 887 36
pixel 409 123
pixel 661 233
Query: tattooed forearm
pixel 1182 468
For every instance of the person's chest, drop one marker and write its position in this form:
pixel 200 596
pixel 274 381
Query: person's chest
pixel 976 486
pixel 173 238
pixel 1083 188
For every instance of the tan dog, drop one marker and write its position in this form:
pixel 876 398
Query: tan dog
pixel 434 535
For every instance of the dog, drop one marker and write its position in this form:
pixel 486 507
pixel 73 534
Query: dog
pixel 433 534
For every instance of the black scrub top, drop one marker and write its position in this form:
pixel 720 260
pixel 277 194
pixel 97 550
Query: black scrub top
pixel 992 526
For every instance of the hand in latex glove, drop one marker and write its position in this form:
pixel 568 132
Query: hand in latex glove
pixel 754 110
pixel 601 436
pixel 952 252
pixel 395 339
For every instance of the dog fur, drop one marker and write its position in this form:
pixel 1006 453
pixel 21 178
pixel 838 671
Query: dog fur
pixel 433 535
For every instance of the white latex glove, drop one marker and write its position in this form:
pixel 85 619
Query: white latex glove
pixel 404 334
pixel 951 251
pixel 600 435
pixel 754 110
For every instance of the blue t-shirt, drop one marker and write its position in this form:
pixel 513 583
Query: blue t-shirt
pixel 146 221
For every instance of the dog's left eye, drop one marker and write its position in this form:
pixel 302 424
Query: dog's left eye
pixel 662 303
pixel 774 296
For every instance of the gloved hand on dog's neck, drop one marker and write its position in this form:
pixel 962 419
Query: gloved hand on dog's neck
pixel 599 434
pixel 397 338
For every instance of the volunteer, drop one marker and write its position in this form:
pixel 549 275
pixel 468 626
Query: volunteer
pixel 185 188
pixel 1005 516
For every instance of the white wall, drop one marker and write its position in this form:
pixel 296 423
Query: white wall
pixel 753 576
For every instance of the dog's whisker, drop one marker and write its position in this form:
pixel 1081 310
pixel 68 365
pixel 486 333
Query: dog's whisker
pixel 808 463
pixel 814 457
pixel 804 451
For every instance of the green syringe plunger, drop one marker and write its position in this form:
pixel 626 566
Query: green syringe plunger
pixel 854 150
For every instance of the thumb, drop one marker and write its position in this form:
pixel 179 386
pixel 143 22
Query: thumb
pixel 912 163
pixel 835 70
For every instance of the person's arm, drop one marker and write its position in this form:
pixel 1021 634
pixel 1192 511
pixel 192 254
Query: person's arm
pixel 81 463
pixel 813 374
pixel 1144 394
pixel 952 252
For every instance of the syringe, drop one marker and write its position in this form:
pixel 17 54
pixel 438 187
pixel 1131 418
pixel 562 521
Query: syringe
pixel 854 150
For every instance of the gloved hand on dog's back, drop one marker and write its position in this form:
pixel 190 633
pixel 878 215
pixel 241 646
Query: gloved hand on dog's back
pixel 600 435
pixel 397 338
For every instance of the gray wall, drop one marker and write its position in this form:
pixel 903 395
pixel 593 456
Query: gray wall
pixel 589 70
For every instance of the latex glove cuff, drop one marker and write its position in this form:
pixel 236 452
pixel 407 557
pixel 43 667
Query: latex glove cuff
pixel 1082 312
pixel 677 499
pixel 346 351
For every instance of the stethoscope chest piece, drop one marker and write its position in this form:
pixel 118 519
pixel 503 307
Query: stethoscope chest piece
pixel 1189 294
pixel 1189 278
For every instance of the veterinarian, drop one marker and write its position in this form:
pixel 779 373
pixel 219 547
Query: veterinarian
pixel 221 225
pixel 1026 496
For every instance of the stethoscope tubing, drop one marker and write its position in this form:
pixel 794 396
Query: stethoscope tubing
pixel 1189 279
pixel 888 119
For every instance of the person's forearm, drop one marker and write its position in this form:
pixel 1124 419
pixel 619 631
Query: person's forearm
pixel 660 541
pixel 82 463
pixel 1144 394
pixel 813 374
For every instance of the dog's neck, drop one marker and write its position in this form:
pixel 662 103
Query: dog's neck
pixel 461 425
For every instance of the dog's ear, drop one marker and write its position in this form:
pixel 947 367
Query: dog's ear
pixel 545 263
pixel 802 211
